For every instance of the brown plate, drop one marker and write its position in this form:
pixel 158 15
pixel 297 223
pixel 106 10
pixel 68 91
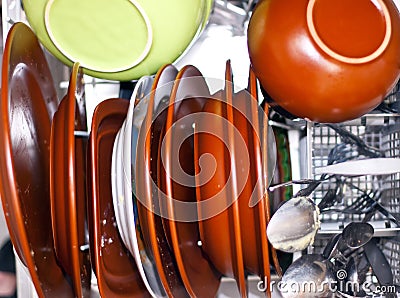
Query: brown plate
pixel 242 121
pixel 216 241
pixel 256 249
pixel 197 273
pixel 68 198
pixel 27 106
pixel 147 192
pixel 116 271
pixel 267 149
pixel 233 211
pixel 220 232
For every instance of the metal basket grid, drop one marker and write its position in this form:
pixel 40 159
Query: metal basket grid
pixel 380 131
pixel 391 184
pixel 390 246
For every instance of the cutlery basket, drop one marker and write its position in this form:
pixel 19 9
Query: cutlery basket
pixel 379 131
pixel 389 245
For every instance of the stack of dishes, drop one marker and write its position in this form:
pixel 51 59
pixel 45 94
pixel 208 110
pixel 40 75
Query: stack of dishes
pixel 118 40
pixel 207 240
pixel 176 178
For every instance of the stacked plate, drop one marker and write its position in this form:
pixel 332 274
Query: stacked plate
pixel 166 196
pixel 192 232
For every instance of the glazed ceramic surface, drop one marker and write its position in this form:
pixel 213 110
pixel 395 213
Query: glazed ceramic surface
pixel 147 40
pixel 124 201
pixel 115 269
pixel 27 106
pixel 68 196
pixel 327 61
pixel 146 185
pixel 220 234
pixel 191 91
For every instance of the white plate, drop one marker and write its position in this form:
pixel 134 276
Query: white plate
pixel 117 187
pixel 129 221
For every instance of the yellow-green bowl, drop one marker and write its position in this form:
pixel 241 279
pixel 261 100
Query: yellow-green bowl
pixel 120 39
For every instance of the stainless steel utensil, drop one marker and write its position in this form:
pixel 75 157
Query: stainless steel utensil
pixel 368 166
pixel 307 277
pixel 294 225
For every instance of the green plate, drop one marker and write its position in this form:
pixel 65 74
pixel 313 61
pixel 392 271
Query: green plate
pixel 117 40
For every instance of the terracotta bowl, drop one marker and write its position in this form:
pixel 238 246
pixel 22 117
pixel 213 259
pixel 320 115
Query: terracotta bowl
pixel 327 61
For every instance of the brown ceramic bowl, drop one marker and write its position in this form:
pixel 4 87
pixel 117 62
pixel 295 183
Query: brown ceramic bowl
pixel 28 102
pixel 328 61
pixel 188 96
pixel 115 269
pixel 68 200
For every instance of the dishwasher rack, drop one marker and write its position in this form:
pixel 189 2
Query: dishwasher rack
pixel 380 131
pixel 376 130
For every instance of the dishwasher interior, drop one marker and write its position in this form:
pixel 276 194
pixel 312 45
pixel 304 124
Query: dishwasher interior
pixel 306 146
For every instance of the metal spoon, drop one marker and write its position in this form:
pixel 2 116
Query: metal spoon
pixel 307 277
pixel 356 275
pixel 354 236
pixel 357 234
pixel 287 236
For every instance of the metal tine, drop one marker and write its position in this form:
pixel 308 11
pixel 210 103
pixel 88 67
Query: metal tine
pixel 342 152
pixel 367 204
pixel 81 134
pixel 351 139
pixel 363 204
pixel 273 187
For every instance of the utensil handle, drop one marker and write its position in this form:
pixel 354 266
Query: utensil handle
pixel 368 166
pixel 330 246
pixel 379 263
pixel 386 213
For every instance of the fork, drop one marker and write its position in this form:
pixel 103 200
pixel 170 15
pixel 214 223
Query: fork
pixel 368 205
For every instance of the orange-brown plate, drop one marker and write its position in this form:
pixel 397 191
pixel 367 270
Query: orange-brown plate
pixel 220 225
pixel 28 103
pixel 147 192
pixel 191 91
pixel 68 200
